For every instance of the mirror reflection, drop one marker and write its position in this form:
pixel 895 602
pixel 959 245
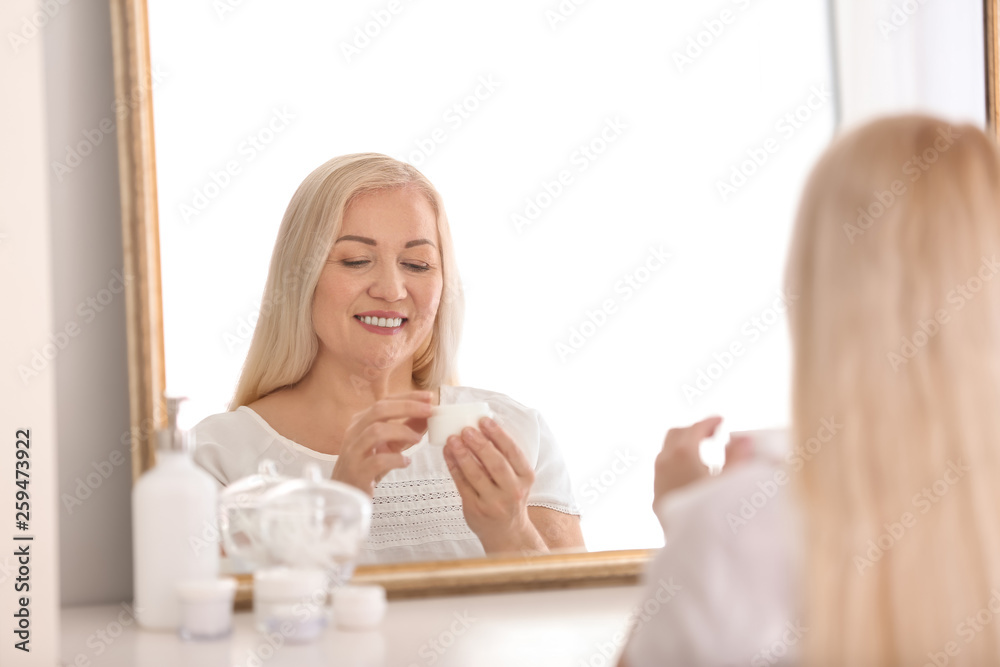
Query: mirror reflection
pixel 619 180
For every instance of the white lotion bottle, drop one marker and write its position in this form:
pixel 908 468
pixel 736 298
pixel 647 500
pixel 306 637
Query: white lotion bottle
pixel 175 535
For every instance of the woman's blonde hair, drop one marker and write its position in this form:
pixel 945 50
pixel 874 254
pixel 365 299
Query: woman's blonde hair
pixel 284 343
pixel 896 338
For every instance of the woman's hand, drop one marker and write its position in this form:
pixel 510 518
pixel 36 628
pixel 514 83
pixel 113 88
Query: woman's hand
pixel 494 479
pixel 374 442
pixel 679 463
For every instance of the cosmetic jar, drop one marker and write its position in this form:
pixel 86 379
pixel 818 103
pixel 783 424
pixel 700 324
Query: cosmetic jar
pixel 290 601
pixel 358 607
pixel 448 420
pixel 206 608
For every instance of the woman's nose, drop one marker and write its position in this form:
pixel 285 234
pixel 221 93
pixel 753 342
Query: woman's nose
pixel 387 284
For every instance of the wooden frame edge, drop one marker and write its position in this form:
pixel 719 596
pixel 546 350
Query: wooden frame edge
pixel 991 34
pixel 140 228
pixel 491 575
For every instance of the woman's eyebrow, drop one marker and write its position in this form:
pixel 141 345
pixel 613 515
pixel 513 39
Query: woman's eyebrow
pixel 371 242
pixel 359 239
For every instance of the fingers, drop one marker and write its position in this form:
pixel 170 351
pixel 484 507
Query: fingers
pixel 382 436
pixel 465 489
pixel 491 458
pixel 378 466
pixel 686 439
pixel 505 443
pixel 415 405
pixel 471 469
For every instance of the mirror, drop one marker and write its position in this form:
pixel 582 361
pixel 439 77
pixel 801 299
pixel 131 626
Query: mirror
pixel 620 179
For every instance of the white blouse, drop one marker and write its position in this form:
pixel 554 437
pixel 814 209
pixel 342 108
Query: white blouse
pixel 722 590
pixel 417 510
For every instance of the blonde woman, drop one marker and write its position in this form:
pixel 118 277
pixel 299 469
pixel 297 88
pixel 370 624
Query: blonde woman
pixel 876 541
pixel 355 343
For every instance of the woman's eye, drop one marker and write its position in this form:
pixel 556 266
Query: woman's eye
pixel 417 267
pixel 354 262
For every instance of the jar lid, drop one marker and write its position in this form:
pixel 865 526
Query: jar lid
pixel 206 590
pixel 359 596
pixel 289 583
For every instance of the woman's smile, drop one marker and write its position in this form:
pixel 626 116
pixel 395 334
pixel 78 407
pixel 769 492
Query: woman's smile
pixel 382 322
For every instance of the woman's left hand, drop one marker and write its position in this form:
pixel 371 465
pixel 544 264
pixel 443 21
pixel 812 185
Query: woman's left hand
pixel 494 479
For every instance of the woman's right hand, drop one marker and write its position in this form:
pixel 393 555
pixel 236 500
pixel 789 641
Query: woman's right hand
pixel 374 442
pixel 679 462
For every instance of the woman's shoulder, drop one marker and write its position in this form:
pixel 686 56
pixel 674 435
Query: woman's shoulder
pixel 224 426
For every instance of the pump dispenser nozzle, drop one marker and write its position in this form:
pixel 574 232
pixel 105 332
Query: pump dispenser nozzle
pixel 173 438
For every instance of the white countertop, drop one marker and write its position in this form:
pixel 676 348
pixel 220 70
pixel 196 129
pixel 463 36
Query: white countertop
pixel 550 628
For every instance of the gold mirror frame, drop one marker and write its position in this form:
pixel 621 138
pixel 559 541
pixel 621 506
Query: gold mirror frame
pixel 147 374
pixel 991 34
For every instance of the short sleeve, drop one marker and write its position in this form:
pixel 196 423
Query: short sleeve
pixel 553 487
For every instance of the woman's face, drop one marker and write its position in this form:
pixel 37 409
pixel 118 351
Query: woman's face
pixel 378 294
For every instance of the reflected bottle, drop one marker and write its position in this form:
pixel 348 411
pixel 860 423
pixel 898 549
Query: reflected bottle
pixel 175 533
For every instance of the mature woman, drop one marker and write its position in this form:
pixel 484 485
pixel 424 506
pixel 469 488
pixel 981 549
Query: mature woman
pixel 356 342
pixel 877 540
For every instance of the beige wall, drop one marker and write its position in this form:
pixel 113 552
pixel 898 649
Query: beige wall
pixel 25 274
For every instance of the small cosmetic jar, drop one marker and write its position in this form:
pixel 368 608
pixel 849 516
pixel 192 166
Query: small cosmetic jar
pixel 448 420
pixel 290 601
pixel 359 607
pixel 206 608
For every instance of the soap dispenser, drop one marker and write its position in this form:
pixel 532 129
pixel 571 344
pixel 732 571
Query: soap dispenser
pixel 174 526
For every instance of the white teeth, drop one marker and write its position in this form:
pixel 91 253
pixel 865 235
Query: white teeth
pixel 388 323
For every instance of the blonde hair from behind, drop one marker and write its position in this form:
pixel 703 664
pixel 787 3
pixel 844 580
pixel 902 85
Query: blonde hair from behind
pixel 284 343
pixel 896 336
